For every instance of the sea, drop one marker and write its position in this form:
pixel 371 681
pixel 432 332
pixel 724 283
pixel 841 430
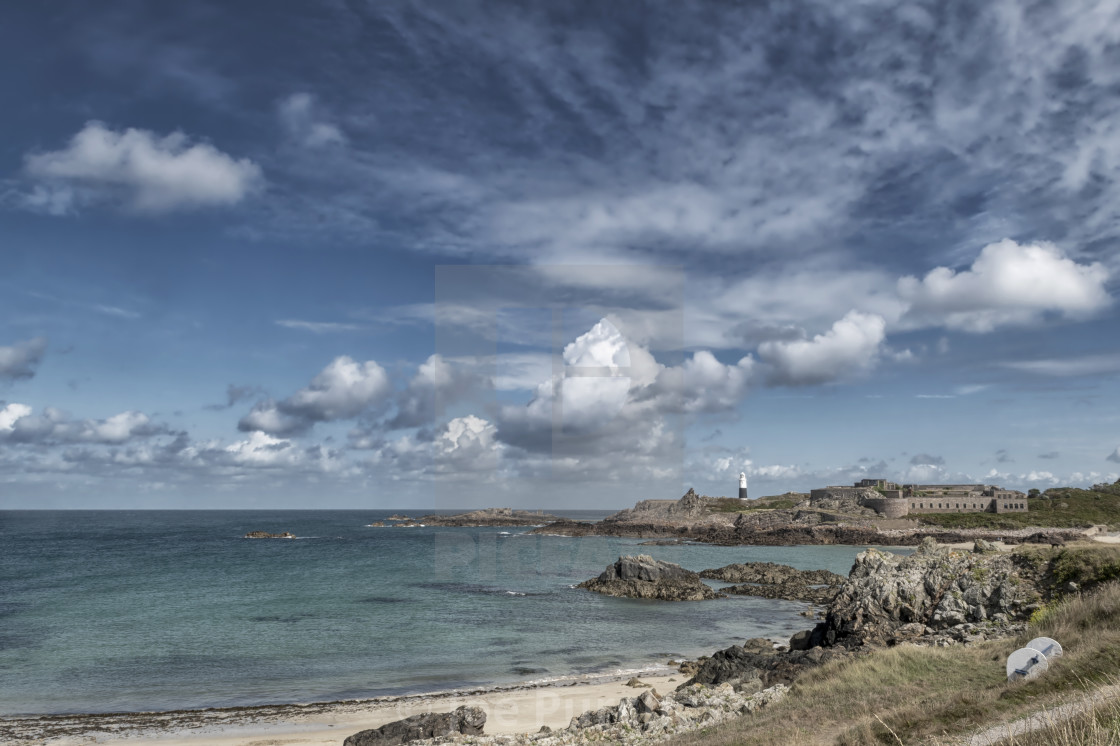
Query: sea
pixel 127 611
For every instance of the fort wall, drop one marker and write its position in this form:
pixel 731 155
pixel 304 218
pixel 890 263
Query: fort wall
pixel 893 501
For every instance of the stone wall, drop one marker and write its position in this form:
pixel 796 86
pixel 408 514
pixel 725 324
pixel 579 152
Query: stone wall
pixel 888 507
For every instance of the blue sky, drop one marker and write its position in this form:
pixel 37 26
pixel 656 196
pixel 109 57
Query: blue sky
pixel 352 254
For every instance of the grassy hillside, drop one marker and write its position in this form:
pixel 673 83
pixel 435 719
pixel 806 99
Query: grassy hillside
pixel 1062 507
pixel 906 693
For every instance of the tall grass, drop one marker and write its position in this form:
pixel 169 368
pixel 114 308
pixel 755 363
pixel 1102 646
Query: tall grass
pixel 912 694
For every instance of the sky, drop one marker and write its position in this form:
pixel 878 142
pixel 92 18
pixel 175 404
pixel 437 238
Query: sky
pixel 357 254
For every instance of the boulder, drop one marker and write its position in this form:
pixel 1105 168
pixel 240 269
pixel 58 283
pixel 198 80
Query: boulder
pixel 800 641
pixel 463 720
pixel 647 702
pixel 644 577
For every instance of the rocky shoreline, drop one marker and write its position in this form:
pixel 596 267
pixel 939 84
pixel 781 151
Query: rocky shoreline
pixel 720 521
pixel 726 522
pixel 789 535
pixel 936 596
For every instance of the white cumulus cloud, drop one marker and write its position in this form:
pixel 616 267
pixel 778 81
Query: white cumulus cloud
pixel 19 424
pixel 850 346
pixel 139 170
pixel 342 390
pixel 1008 283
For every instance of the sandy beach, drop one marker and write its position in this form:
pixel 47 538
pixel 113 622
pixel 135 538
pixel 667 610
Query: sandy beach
pixel 509 710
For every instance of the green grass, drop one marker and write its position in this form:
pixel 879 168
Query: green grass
pixel 734 505
pixel 1060 507
pixel 1086 563
pixel 913 694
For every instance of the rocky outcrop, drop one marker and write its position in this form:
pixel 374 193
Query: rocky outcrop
pixel 792 591
pixel 771 573
pixel 266 535
pixel 770 580
pixel 888 598
pixel 690 508
pixel 490 517
pixel 462 721
pixel 644 577
pixel 756 664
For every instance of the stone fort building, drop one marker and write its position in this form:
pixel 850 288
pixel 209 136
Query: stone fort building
pixel 897 501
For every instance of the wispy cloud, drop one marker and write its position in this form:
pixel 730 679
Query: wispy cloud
pixel 319 327
pixel 1085 365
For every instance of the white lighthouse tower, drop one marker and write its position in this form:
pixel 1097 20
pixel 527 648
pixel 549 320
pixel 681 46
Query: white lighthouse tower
pixel 742 485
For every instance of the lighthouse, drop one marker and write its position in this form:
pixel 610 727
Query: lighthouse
pixel 742 485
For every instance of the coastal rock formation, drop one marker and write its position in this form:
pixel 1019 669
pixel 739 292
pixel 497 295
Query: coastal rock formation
pixel 770 580
pixel 888 597
pixel 691 508
pixel 266 535
pixel 644 577
pixel 771 573
pixel 755 664
pixel 491 517
pixel 462 721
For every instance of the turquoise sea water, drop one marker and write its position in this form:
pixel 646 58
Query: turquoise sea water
pixel 106 611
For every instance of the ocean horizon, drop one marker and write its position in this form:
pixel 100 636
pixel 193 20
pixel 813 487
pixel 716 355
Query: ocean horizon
pixel 137 610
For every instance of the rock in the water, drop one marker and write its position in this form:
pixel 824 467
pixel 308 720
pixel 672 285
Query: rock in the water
pixel 644 577
pixel 770 580
pixel 771 573
pixel 266 535
pixel 936 588
pixel 464 720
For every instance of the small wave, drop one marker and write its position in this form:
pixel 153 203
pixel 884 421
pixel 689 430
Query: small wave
pixel 476 588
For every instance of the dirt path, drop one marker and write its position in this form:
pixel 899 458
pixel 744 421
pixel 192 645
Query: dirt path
pixel 1040 719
